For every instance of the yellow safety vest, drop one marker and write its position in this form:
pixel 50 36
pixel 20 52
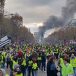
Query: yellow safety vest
pixel 61 62
pixel 14 63
pixel 51 52
pixel 11 58
pixel 69 70
pixel 1 59
pixel 4 54
pixel 56 51
pixel 7 75
pixel 24 62
pixel 19 74
pixel 63 67
pixel 39 58
pixel 30 63
pixel 73 62
pixel 34 66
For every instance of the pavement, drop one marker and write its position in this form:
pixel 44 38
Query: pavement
pixel 41 73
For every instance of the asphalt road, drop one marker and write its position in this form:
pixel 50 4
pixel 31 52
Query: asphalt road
pixel 41 73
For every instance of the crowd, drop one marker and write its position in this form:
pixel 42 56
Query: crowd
pixel 27 60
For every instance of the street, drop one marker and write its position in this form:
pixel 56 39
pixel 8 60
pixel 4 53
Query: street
pixel 41 73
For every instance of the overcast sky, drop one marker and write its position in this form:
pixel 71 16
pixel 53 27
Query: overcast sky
pixel 35 11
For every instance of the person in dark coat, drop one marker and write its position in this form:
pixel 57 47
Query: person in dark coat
pixel 51 68
pixel 43 61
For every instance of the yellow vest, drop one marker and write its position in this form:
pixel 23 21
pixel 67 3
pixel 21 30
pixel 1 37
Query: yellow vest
pixel 30 63
pixel 14 63
pixel 61 62
pixel 39 58
pixel 73 62
pixel 4 54
pixel 24 62
pixel 56 51
pixel 69 70
pixel 19 74
pixel 1 59
pixel 51 52
pixel 7 75
pixel 34 66
pixel 63 67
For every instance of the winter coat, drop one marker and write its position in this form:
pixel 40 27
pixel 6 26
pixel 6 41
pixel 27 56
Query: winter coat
pixel 51 69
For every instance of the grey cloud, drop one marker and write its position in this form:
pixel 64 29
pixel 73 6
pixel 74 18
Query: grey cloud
pixel 39 2
pixel 68 13
pixel 35 2
pixel 35 10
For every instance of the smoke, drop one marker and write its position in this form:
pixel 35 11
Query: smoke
pixel 67 14
pixel 69 11
pixel 52 22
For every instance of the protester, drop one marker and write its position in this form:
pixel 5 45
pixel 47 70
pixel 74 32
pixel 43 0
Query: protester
pixel 73 63
pixel 30 60
pixel 68 71
pixel 51 67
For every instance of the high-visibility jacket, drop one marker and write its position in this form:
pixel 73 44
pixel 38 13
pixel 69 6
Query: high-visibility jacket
pixel 14 63
pixel 61 62
pixel 63 67
pixel 24 62
pixel 73 62
pixel 7 75
pixel 55 51
pixel 39 58
pixel 69 70
pixel 19 74
pixel 4 54
pixel 66 70
pixel 30 63
pixel 47 53
pixel 34 66
pixel 1 59
pixel 11 58
pixel 63 71
pixel 51 52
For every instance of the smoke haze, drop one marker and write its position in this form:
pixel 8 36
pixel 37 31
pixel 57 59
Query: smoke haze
pixel 68 13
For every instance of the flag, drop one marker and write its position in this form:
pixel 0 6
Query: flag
pixel 4 41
